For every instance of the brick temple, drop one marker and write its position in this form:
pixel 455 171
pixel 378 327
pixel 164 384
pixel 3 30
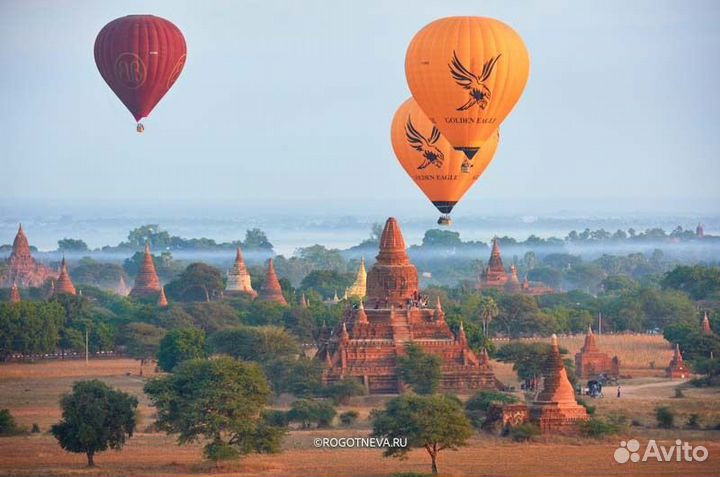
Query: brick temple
pixel 23 270
pixel 147 282
pixel 271 290
pixel 494 276
pixel 365 345
pixel 590 361
pixel 677 368
pixel 64 284
pixel 238 278
pixel 555 409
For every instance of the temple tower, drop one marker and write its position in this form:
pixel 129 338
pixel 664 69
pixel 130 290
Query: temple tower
pixel 555 408
pixel 393 280
pixel 677 368
pixel 147 283
pixel 359 287
pixel 271 290
pixel 706 325
pixel 162 299
pixel 238 278
pixel 23 270
pixel 64 283
pixel 122 288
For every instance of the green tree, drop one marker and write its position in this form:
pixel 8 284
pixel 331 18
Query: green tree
pixel 72 245
pixel 697 281
pixel 180 345
pixel 421 370
pixel 30 327
pixel 528 359
pixel 341 391
pixel 327 282
pixel 256 239
pixel 95 418
pixel 433 423
pixel 308 412
pixel 255 343
pixel 220 401
pixel 143 342
pixel 149 234
pixel 198 282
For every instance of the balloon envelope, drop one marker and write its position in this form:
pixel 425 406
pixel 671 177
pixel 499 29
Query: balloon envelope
pixel 467 74
pixel 140 57
pixel 430 160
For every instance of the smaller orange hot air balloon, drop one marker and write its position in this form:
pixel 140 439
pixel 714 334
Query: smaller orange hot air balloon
pixel 432 162
pixel 467 74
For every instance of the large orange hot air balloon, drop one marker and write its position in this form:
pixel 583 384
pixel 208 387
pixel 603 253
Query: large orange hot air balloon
pixel 140 57
pixel 467 74
pixel 431 161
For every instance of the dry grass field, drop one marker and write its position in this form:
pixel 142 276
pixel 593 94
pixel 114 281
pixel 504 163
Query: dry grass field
pixel 31 392
pixel 636 352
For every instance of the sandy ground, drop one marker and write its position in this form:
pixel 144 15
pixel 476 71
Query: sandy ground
pixel 32 391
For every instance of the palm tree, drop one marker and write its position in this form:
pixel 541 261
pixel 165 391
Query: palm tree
pixel 488 310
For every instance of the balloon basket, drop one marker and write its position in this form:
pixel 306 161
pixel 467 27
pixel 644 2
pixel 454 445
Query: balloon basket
pixel 444 220
pixel 140 128
pixel 465 168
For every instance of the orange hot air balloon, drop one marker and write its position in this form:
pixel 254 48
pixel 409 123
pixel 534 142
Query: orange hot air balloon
pixel 432 162
pixel 467 74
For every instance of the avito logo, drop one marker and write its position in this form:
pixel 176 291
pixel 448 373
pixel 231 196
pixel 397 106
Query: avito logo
pixel 680 452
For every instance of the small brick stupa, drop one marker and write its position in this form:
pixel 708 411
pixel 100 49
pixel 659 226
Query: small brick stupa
pixel 64 283
pixel 162 299
pixel 15 294
pixel 271 290
pixel 677 369
pixel 706 325
pixel 359 287
pixel 590 361
pixel 23 270
pixel 495 277
pixel 555 409
pixel 122 288
pixel 238 278
pixel 147 283
pixel 368 341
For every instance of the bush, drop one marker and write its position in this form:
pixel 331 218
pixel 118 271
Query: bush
pixel 35 428
pixel 665 417
pixel 275 417
pixel 477 406
pixel 679 393
pixel 348 418
pixel 524 432
pixel 693 421
pixel 8 426
pixel 597 428
pixel 590 409
pixel 341 391
pixel 308 412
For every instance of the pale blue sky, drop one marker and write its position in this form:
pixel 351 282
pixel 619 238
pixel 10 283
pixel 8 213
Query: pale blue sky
pixel 291 101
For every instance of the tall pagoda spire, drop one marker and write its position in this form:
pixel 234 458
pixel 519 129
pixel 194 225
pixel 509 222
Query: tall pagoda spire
pixel 147 283
pixel 238 279
pixel 495 262
pixel 23 270
pixel 393 280
pixel 589 346
pixel 271 290
pixel 64 283
pixel 15 294
pixel 122 288
pixel 556 386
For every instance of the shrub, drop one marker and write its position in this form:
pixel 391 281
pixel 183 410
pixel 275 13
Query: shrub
pixel 348 418
pixel 477 406
pixel 524 432
pixel 308 412
pixel 693 421
pixel 341 391
pixel 679 393
pixel 7 423
pixel 590 409
pixel 35 428
pixel 665 417
pixel 597 428
pixel 275 417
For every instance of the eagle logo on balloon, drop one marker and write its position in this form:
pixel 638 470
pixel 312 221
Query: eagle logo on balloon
pixel 475 84
pixel 431 154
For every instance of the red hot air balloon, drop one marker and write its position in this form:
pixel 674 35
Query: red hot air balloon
pixel 140 57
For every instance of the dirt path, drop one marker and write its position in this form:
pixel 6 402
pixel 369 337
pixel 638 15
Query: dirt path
pixel 643 391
